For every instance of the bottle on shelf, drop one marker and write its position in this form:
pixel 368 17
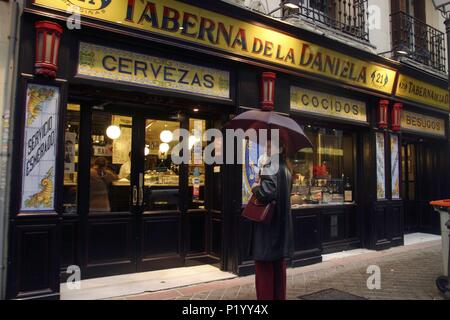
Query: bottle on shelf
pixel 325 193
pixel 309 195
pixel 348 191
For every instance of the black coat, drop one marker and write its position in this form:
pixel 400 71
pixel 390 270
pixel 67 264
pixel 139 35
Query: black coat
pixel 273 241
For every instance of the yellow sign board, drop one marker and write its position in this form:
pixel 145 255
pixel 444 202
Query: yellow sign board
pixel 422 124
pixel 73 107
pixel 315 102
pixel 202 27
pixel 118 65
pixel 419 91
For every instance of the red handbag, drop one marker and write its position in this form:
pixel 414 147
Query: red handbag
pixel 258 211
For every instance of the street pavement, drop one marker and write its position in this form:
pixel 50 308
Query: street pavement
pixel 407 272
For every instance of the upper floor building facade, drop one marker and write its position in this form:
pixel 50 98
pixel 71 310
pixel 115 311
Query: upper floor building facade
pixel 410 31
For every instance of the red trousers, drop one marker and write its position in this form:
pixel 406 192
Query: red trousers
pixel 270 280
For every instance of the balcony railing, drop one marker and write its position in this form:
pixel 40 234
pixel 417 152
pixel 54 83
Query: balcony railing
pixel 418 41
pixel 347 16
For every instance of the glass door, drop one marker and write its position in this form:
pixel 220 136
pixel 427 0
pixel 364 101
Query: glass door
pixel 177 225
pixel 409 187
pixel 143 211
pixel 111 165
pixel 111 198
pixel 161 177
pixel 160 196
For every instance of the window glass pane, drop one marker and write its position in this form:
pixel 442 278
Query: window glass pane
pixel 161 178
pixel 217 188
pixel 395 179
pixel 196 191
pixel 319 171
pixel 110 157
pixel 403 163
pixel 411 163
pixel 71 136
pixel 381 166
pixel 412 191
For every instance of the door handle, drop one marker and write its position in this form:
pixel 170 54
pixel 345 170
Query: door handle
pixel 135 195
pixel 141 196
pixel 141 189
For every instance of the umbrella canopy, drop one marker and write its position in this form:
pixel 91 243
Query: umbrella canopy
pixel 291 133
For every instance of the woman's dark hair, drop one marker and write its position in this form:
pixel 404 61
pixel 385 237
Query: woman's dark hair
pixel 283 154
pixel 101 162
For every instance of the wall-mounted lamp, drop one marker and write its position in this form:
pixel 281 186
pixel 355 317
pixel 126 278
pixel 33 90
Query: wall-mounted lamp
pixel 442 5
pixel 286 4
pixel 48 38
pixel 291 4
pixel 267 90
pixel 382 114
pixel 396 116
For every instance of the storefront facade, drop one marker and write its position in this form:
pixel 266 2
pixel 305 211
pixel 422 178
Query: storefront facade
pixel 97 189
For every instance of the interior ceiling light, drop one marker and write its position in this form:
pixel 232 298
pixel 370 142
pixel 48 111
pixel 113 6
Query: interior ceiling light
pixel 113 132
pixel 166 136
pixel 164 147
pixel 192 141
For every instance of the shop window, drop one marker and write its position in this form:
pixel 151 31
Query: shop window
pixel 110 162
pixel 196 165
pixel 322 174
pixel 161 177
pixel 71 136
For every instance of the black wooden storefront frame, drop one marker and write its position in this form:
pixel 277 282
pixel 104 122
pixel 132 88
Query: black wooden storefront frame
pixel 376 217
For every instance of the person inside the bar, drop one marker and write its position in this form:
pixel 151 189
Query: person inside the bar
pixel 101 179
pixel 273 241
pixel 125 169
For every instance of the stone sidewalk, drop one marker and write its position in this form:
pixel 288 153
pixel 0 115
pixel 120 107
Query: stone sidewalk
pixel 407 272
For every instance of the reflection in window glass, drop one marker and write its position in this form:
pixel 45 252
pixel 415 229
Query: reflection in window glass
pixel 395 174
pixel 196 165
pixel 381 165
pixel 411 171
pixel 71 136
pixel 110 162
pixel 318 173
pixel 161 178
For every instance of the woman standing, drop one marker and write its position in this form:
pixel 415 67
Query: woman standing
pixel 101 179
pixel 273 241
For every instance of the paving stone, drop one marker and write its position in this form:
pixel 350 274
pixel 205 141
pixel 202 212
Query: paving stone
pixel 406 273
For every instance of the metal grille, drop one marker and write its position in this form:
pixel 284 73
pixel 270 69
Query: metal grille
pixel 348 16
pixel 418 41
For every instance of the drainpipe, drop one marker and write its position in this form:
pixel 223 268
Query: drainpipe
pixel 7 102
